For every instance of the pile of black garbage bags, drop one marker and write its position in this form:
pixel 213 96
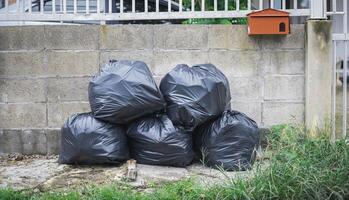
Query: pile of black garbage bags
pixel 188 116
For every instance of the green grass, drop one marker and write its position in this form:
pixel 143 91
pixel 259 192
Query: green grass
pixel 300 168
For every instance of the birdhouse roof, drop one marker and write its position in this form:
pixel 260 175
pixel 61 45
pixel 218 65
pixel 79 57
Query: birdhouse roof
pixel 269 13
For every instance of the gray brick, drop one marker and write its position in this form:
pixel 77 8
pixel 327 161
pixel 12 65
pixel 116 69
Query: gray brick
pixel 68 89
pixel 286 62
pixel 180 37
pixel 10 141
pixel 142 55
pixel 59 112
pixel 71 37
pixel 251 109
pixel 21 38
pixel 34 142
pixel 231 37
pixel 126 37
pixel 236 63
pixel 167 60
pixel 245 88
pixel 22 64
pixel 23 115
pixel 22 90
pixel 53 137
pixel 284 87
pixel 295 40
pixel 72 63
pixel 275 113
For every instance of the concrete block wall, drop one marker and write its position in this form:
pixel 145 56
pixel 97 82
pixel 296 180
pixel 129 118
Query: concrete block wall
pixel 44 72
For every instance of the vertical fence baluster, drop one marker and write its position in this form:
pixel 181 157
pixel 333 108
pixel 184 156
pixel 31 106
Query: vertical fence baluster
pixel 17 6
pixel 53 6
pixel 157 6
pixel 110 6
pixel 98 6
pixel 237 5
pixel 215 5
pixel 6 5
pixel 226 5
pixel 295 4
pixel 169 5
pixel 334 77
pixel 145 5
pixel 75 7
pixel 133 6
pixel 345 85
pixel 283 6
pixel 180 6
pixel 121 6
pixel 87 6
pixel 271 4
pixel 202 5
pixel 192 5
pixel 261 4
pixel 41 6
pixel 64 6
pixel 249 7
pixel 30 6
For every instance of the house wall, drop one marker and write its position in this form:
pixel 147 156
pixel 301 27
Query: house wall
pixel 45 70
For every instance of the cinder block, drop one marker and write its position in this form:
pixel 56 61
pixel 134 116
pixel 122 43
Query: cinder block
pixel 236 63
pixel 141 55
pixel 53 137
pixel 167 60
pixel 22 90
pixel 251 109
pixel 286 62
pixel 22 64
pixel 34 142
pixel 72 63
pixel 10 141
pixel 296 40
pixel 80 37
pixel 275 113
pixel 59 112
pixel 245 88
pixel 28 115
pixel 180 37
pixel 284 87
pixel 68 89
pixel 231 37
pixel 21 38
pixel 123 37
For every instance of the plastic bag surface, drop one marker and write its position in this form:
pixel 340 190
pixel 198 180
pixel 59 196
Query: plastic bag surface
pixel 228 142
pixel 195 94
pixel 123 91
pixel 86 140
pixel 155 140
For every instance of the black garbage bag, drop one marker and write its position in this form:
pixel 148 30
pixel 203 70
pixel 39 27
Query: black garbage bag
pixel 123 91
pixel 195 94
pixel 155 140
pixel 86 140
pixel 228 142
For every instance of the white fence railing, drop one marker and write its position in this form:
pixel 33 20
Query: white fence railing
pixel 104 10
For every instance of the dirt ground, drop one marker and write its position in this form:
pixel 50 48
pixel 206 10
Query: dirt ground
pixel 41 174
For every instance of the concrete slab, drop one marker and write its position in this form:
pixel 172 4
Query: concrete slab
pixel 40 173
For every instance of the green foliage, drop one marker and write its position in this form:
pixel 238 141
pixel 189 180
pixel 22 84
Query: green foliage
pixel 300 168
pixel 209 6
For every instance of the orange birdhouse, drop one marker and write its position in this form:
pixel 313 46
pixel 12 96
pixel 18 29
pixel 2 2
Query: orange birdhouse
pixel 269 22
